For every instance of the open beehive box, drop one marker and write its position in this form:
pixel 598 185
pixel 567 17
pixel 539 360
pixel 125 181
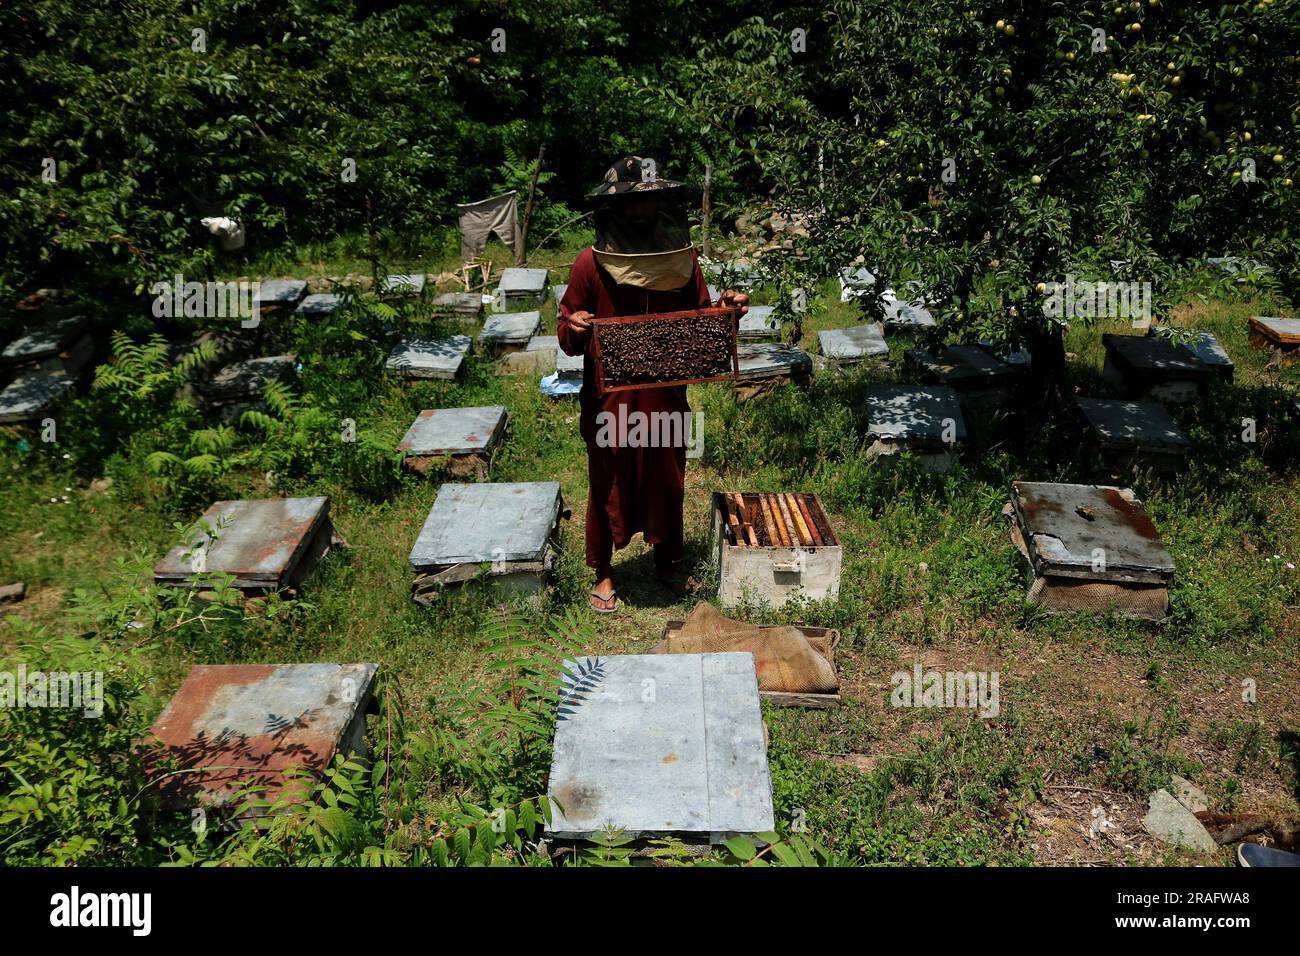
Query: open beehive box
pixel 1129 436
pixel 772 546
pixel 1153 368
pixel 925 421
pixel 509 530
pixel 265 544
pixel 265 731
pixel 466 438
pixel 1281 336
pixel 660 744
pixel 664 349
pixel 1090 549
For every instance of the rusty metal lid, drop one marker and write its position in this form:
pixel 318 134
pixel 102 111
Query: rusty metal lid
pixel 242 725
pixel 1094 532
pixel 259 541
pixel 454 431
pixel 1121 424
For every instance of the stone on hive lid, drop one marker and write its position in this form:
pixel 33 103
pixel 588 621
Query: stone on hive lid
pixel 928 415
pixel 454 431
pixel 260 542
pixel 1132 424
pixel 760 360
pixel 853 344
pixel 319 303
pixel 46 340
pixel 760 322
pixel 429 358
pixel 32 395
pixel 247 379
pixel 510 521
pixel 236 726
pixel 1204 345
pixel 1093 532
pixel 689 759
pixel 510 328
pixel 406 283
pixel 279 292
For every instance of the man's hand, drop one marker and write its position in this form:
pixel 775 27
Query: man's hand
pixel 731 299
pixel 580 323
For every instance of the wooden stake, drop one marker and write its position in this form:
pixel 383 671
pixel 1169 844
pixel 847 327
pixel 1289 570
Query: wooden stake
pixel 522 255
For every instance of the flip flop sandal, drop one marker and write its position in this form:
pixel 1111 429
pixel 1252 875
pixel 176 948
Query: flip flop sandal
pixel 605 597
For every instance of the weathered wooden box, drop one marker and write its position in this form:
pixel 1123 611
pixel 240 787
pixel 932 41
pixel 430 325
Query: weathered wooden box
pixel 854 344
pixel 521 289
pixel 265 544
pixel 505 332
pixel 924 421
pixel 1090 549
pixel 61 346
pixel 466 438
pixel 771 547
pixel 983 382
pixel 416 357
pixel 764 366
pixel 511 530
pixel 1153 369
pixel 1204 345
pixel 1280 336
pixel 659 744
pixel 263 732
pixel 759 324
pixel 1133 436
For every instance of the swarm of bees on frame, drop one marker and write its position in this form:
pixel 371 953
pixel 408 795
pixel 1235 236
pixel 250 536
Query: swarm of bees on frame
pixel 667 350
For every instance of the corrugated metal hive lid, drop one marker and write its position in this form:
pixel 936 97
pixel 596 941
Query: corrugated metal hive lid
pixel 687 758
pixel 522 281
pixel 259 541
pixel 858 341
pixel 436 357
pixel 454 431
pixel 1095 532
pixel 31 394
pixel 510 327
pixel 249 723
pixel 468 524
pixel 914 413
pixel 280 291
pixel 47 339
pixel 1153 358
pixel 1133 424
pixel 767 359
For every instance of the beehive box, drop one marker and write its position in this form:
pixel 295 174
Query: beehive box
pixel 319 304
pixel 535 358
pixel 664 349
pixel 1153 369
pixel 511 527
pixel 416 357
pixel 466 437
pixel 659 744
pixel 62 346
pixel 271 729
pixel 1235 265
pixel 265 544
pixel 509 331
pixel 925 421
pixel 1133 436
pixel 1090 549
pixel 771 547
pixel 1204 345
pixel 466 306
pixel 854 344
pixel 854 281
pixel 403 284
pixel 240 385
pixel 763 366
pixel 759 324
pixel 1280 336
pixel 982 382
pixel 274 295
pixel 33 396
pixel 521 289
pixel 907 315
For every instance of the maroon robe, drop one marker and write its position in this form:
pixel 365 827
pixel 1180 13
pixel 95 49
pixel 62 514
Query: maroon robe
pixel 630 489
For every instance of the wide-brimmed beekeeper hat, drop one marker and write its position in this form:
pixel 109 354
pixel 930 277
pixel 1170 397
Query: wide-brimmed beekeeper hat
pixel 643 231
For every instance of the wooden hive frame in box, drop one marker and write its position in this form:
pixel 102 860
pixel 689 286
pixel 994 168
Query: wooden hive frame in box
pixel 599 345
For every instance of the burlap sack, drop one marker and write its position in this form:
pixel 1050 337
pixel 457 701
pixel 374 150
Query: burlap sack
pixel 784 658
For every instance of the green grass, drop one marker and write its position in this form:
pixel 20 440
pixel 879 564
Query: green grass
pixel 1109 706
